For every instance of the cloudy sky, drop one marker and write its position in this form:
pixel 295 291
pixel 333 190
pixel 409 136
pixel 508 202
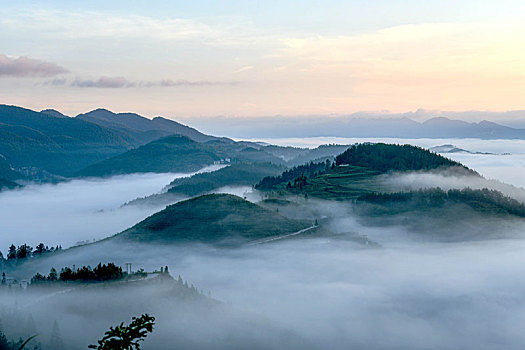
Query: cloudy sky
pixel 256 58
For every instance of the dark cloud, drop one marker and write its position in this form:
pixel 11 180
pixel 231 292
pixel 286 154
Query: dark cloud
pixel 28 67
pixel 121 82
pixel 173 83
pixel 55 82
pixel 103 82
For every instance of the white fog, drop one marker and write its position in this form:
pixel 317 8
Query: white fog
pixel 329 293
pixel 77 210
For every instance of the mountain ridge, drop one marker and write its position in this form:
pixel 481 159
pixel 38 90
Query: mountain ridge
pixel 142 127
pixel 357 125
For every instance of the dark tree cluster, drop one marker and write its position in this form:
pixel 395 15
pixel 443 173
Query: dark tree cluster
pixel 295 177
pixel 101 273
pixel 483 200
pixel 25 251
pixel 387 157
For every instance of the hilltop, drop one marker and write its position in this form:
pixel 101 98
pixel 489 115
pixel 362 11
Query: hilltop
pixel 214 219
pixel 356 171
pixel 359 176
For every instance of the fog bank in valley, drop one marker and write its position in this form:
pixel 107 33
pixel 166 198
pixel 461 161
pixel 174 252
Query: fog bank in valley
pixel 309 292
pixel 322 293
pixel 78 210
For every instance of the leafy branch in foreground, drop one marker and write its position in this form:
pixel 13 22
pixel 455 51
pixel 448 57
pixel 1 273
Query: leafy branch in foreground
pixel 27 341
pixel 126 337
pixel 19 345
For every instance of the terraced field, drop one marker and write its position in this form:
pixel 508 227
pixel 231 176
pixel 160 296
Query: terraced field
pixel 342 182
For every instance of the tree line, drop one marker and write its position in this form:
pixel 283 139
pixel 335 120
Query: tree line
pixel 484 200
pixel 101 273
pixel 294 177
pixel 25 251
pixel 388 157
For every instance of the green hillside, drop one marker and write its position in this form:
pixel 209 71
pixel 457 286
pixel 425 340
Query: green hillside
pixel 243 152
pixel 216 218
pixel 51 143
pixel 58 145
pixel 168 154
pixel 355 172
pixel 484 201
pixel 242 174
pixel 178 154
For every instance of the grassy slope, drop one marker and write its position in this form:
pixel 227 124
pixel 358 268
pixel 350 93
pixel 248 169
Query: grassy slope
pixel 215 218
pixel 355 178
pixel 358 168
pixel 243 152
pixel 239 174
pixel 169 154
pixel 485 202
pixel 177 154
pixel 342 182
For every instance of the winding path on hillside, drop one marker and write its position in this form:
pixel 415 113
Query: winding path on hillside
pixel 271 239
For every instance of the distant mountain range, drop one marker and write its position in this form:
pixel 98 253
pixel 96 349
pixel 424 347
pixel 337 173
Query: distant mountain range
pixel 142 129
pixel 356 125
pixel 52 142
pixel 48 145
pixel 58 145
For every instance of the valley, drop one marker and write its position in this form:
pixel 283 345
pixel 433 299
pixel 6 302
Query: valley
pixel 268 239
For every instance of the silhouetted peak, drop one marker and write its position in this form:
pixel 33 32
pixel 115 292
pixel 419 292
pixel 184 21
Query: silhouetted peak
pixel 53 113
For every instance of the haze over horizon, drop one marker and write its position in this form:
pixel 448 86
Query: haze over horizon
pixel 257 59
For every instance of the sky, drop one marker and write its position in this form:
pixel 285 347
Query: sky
pixel 258 58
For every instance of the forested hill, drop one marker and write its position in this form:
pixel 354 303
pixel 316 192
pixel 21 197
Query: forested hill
pixel 483 201
pixel 58 145
pixel 50 146
pixel 388 157
pixel 168 154
pixel 239 174
pixel 355 171
pixel 215 219
pixel 51 142
pixel 293 175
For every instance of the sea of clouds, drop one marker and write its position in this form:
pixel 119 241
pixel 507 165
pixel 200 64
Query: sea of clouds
pixel 329 293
